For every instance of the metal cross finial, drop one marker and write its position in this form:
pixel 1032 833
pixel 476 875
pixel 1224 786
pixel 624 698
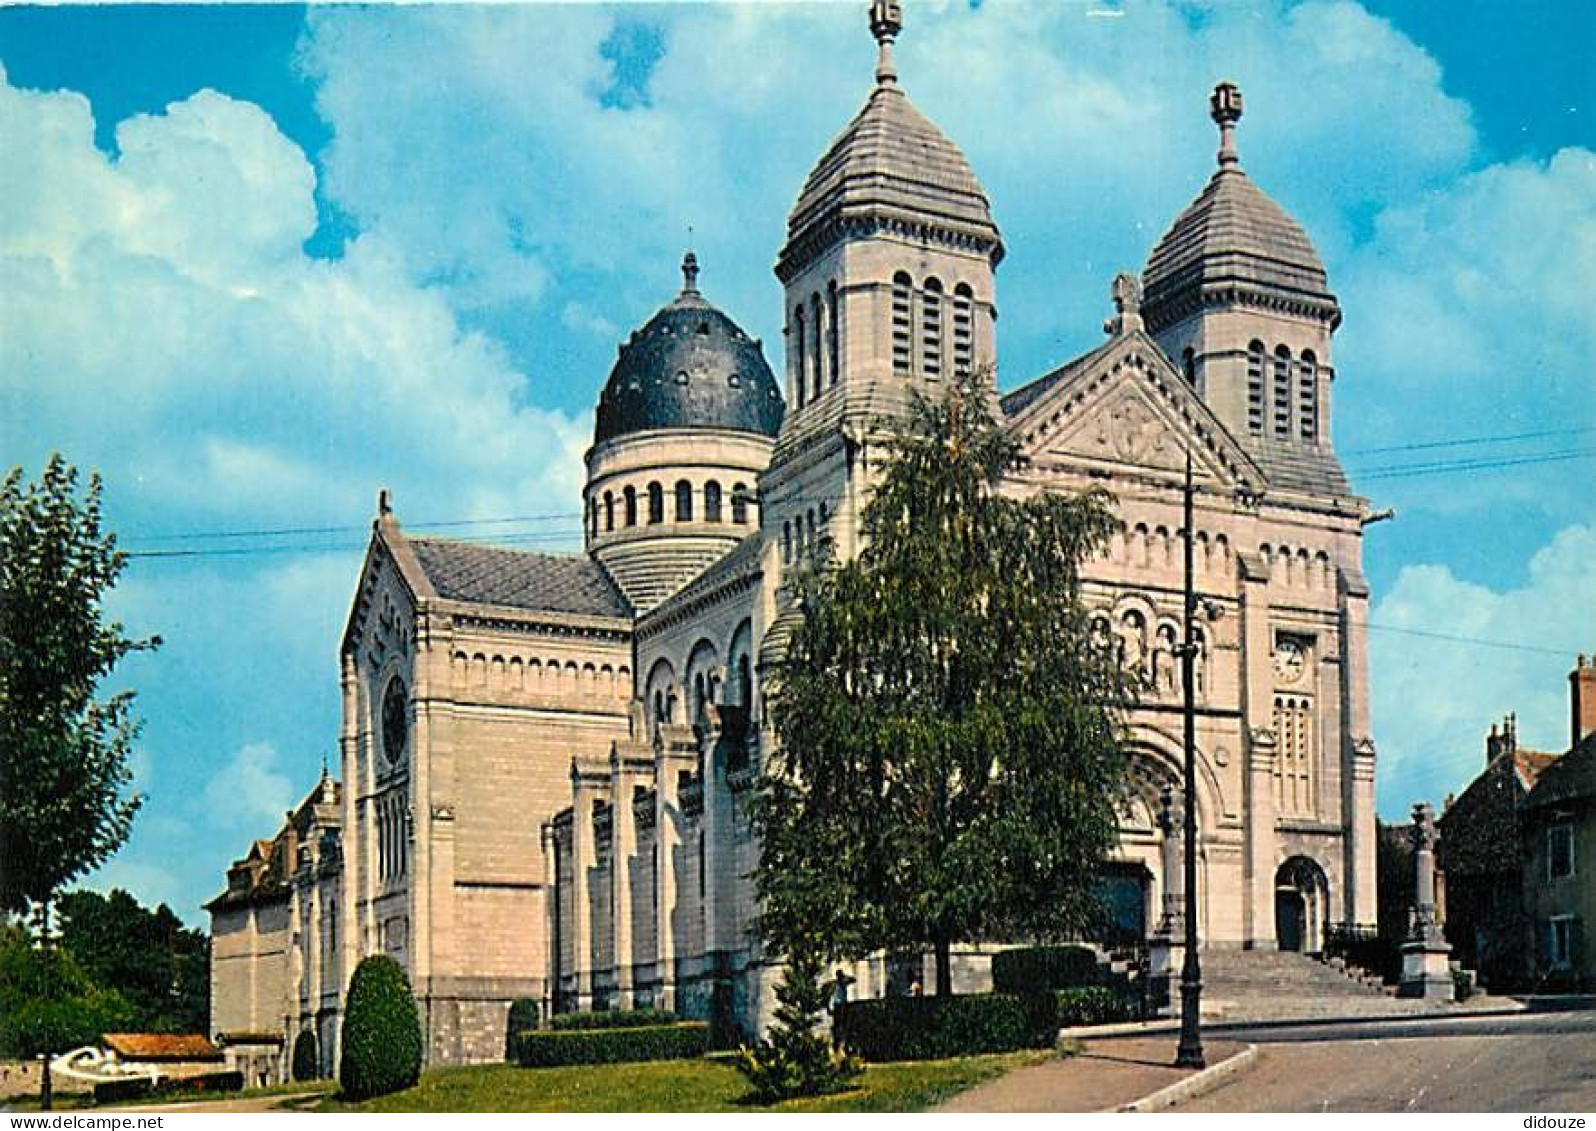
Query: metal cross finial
pixel 886 21
pixel 690 273
pixel 1225 108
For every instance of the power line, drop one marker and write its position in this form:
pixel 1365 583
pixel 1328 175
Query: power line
pixel 1468 441
pixel 294 531
pixel 1403 471
pixel 1482 642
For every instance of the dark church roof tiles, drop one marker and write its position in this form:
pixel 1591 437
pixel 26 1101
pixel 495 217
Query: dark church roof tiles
pixel 519 579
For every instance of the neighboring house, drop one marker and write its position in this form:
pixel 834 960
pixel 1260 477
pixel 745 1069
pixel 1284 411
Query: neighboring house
pixel 1518 847
pixel 1559 849
pixel 1479 854
pixel 547 758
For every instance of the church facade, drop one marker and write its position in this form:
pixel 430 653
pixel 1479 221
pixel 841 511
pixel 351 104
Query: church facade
pixel 545 760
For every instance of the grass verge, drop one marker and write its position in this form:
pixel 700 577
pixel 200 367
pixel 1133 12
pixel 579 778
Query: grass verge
pixel 707 1084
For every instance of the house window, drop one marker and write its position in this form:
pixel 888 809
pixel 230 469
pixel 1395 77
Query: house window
pixel 1560 852
pixel 1562 941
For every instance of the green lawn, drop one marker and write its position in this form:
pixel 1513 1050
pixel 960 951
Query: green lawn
pixel 709 1084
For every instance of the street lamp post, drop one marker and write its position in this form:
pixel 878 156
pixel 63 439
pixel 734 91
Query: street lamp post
pixel 1190 1052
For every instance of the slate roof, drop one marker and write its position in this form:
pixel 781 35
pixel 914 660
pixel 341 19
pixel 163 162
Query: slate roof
pixel 690 366
pixel 1233 233
pixel 741 561
pixel 520 579
pixel 1569 778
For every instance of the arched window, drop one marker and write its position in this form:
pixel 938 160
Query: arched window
pixel 712 501
pixel 1282 392
pixel 931 329
pixel 700 696
pixel 1188 361
pixel 833 309
pixel 809 534
pixel 656 503
pixel 745 682
pixel 819 351
pixel 631 506
pixel 786 542
pixel 963 329
pixel 609 510
pixel 800 364
pixel 740 505
pixel 684 501
pixel 1308 397
pixel 1255 388
pixel 902 324
pixel 592 518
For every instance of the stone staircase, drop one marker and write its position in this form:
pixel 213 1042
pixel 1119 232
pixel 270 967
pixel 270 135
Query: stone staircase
pixel 1272 985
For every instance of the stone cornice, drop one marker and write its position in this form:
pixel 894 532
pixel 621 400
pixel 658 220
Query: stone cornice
pixel 847 223
pixel 1165 310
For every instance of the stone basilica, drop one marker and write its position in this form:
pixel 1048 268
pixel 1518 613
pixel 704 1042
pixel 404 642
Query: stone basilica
pixel 545 759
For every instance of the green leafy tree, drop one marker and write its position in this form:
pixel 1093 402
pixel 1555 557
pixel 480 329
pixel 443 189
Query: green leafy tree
pixel 949 756
pixel 63 752
pixel 160 966
pixel 382 1031
pixel 48 1003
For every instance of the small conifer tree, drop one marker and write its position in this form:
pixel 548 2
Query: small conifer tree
pixel 797 1059
pixel 382 1032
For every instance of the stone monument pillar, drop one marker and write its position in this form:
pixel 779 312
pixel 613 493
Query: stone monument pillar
pixel 1425 956
pixel 1166 949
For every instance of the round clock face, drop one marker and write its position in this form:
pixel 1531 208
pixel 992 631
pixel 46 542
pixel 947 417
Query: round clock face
pixel 1289 660
pixel 395 722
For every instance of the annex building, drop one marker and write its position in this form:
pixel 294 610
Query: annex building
pixel 545 759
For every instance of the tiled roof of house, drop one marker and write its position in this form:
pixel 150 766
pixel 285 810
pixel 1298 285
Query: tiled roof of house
pixel 1569 778
pixel 161 1046
pixel 520 579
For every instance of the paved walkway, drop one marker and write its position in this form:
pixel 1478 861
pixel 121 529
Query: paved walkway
pixel 278 1101
pixel 1107 1075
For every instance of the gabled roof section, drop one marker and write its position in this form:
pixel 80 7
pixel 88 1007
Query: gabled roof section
pixel 1123 406
pixel 741 563
pixel 518 579
pixel 1568 779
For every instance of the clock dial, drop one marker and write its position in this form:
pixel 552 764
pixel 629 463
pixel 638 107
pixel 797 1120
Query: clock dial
pixel 395 722
pixel 1289 660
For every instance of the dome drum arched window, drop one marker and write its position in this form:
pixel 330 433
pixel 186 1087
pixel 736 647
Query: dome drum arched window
pixel 739 507
pixel 800 366
pixel 931 329
pixel 712 501
pixel 631 505
pixel 833 311
pixel 684 501
pixel 1282 398
pixel 1255 388
pixel 1308 397
pixel 609 511
pixel 902 324
pixel 963 329
pixel 656 503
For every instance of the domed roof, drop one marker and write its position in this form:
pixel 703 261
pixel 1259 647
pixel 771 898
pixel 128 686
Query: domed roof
pixel 1233 235
pixel 690 366
pixel 892 162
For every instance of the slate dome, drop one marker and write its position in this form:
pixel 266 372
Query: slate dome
pixel 690 366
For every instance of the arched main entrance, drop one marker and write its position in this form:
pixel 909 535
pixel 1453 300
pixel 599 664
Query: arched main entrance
pixel 1302 902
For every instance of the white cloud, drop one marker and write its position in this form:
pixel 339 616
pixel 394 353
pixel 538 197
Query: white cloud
pixel 250 793
pixel 1434 700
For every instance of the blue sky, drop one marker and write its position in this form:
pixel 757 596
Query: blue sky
pixel 257 262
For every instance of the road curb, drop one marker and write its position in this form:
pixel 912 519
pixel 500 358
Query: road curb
pixel 1197 1084
pixel 1220 1024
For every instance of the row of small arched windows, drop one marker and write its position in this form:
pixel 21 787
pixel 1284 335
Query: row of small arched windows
pixel 1282 393
pixel 798 535
pixel 815 348
pixel 622 509
pixel 931 328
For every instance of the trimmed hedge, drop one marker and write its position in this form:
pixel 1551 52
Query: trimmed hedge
pixel 933 1028
pixel 551 1048
pixel 610 1019
pixel 382 1031
pixel 139 1087
pixel 1036 969
pixel 525 1013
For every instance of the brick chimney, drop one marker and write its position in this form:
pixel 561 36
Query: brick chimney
pixel 1502 740
pixel 1582 698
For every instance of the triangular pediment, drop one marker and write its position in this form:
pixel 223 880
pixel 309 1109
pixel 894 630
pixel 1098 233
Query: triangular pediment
pixel 1124 409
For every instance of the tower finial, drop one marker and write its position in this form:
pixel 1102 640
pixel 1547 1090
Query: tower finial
pixel 1225 108
pixel 886 21
pixel 690 274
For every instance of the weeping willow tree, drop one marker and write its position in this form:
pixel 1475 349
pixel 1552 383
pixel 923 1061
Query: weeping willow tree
pixel 948 760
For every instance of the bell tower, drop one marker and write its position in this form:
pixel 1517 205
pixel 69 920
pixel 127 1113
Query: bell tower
pixel 888 276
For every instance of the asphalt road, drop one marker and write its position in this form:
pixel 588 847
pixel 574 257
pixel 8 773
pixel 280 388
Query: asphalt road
pixel 1532 1063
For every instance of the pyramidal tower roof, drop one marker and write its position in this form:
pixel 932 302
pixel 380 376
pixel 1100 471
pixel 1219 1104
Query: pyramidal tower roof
pixel 1232 242
pixel 890 167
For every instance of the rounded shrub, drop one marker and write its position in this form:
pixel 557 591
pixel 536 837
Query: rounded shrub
pixel 1037 969
pixel 307 1061
pixel 382 1032
pixel 524 1015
